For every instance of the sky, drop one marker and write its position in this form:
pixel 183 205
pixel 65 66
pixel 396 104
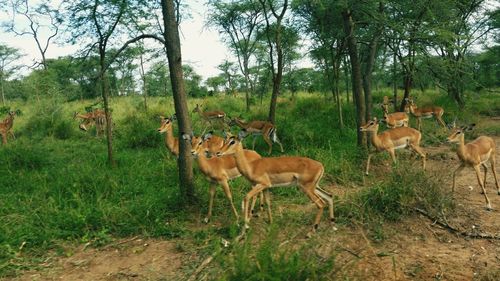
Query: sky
pixel 201 46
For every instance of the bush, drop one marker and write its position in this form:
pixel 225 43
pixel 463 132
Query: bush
pixel 139 131
pixel 269 262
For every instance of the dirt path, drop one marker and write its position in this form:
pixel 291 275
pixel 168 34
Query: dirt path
pixel 416 249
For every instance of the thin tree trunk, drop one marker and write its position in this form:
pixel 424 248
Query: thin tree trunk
pixel 394 81
pixel 346 73
pixel 356 75
pixel 2 89
pixel 105 97
pixel 144 86
pixel 172 44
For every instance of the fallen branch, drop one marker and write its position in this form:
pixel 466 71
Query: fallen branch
pixel 455 230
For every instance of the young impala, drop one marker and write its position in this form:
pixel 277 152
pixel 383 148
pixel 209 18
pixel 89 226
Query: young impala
pixel 218 170
pixel 172 143
pixel 97 117
pixel 256 128
pixel 209 116
pixel 390 140
pixel 475 153
pixel 265 173
pixel 425 112
pixel 396 119
pixel 6 127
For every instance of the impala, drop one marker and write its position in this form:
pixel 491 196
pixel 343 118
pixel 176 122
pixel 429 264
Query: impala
pixel 97 117
pixel 209 116
pixel 425 112
pixel 393 139
pixel 218 170
pixel 256 128
pixel 475 153
pixel 172 143
pixel 6 126
pixel 265 173
pixel 396 119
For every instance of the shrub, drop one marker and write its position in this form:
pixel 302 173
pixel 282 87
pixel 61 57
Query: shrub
pixel 269 262
pixel 139 131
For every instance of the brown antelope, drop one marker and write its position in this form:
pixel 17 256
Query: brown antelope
pixel 385 104
pixel 6 127
pixel 218 170
pixel 396 119
pixel 97 117
pixel 424 112
pixel 475 153
pixel 172 143
pixel 209 116
pixel 393 139
pixel 264 128
pixel 265 173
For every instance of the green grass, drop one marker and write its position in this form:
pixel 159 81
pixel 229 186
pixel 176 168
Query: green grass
pixel 56 185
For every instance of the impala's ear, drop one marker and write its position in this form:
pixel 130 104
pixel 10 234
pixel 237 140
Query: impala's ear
pixel 207 136
pixel 186 136
pixel 161 116
pixel 375 120
pixel 174 116
pixel 470 127
pixel 242 134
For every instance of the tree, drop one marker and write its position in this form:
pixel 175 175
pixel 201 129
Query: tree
pixel 41 22
pixel 101 24
pixel 173 47
pixel 321 21
pixel 8 56
pixel 216 82
pixel 356 77
pixel 274 41
pixel 239 21
pixel 229 73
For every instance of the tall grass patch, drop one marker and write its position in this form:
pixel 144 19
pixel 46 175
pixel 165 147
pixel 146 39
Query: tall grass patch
pixel 270 262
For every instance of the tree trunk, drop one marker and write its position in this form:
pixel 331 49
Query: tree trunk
pixel 408 79
pixel 394 81
pixel 346 73
pixel 356 75
pixel 105 98
pixel 144 88
pixel 172 44
pixel 367 74
pixel 2 89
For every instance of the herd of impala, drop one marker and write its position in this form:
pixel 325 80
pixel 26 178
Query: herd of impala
pixel 221 159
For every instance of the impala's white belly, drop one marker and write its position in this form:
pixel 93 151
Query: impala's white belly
pixel 427 116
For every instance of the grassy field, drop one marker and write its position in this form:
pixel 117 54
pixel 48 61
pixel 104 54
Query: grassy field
pixel 57 189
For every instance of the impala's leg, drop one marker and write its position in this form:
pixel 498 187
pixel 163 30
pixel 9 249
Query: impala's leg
pixel 328 198
pixel 277 140
pixel 318 202
pixel 492 160
pixel 211 191
pixel 267 196
pixel 261 203
pixel 269 143
pixel 392 153
pixel 440 120
pixel 368 163
pixel 256 189
pixel 455 173
pixel 12 135
pixel 4 138
pixel 418 150
pixel 419 124
pixel 253 143
pixel 229 196
pixel 478 174
pixel 485 172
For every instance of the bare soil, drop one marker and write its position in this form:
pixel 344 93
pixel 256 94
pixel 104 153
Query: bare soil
pixel 417 248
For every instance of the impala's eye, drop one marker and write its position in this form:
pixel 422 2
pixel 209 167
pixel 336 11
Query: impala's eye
pixel 200 143
pixel 231 142
pixel 458 133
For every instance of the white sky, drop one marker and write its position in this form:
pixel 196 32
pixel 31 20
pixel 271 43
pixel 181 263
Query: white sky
pixel 201 47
